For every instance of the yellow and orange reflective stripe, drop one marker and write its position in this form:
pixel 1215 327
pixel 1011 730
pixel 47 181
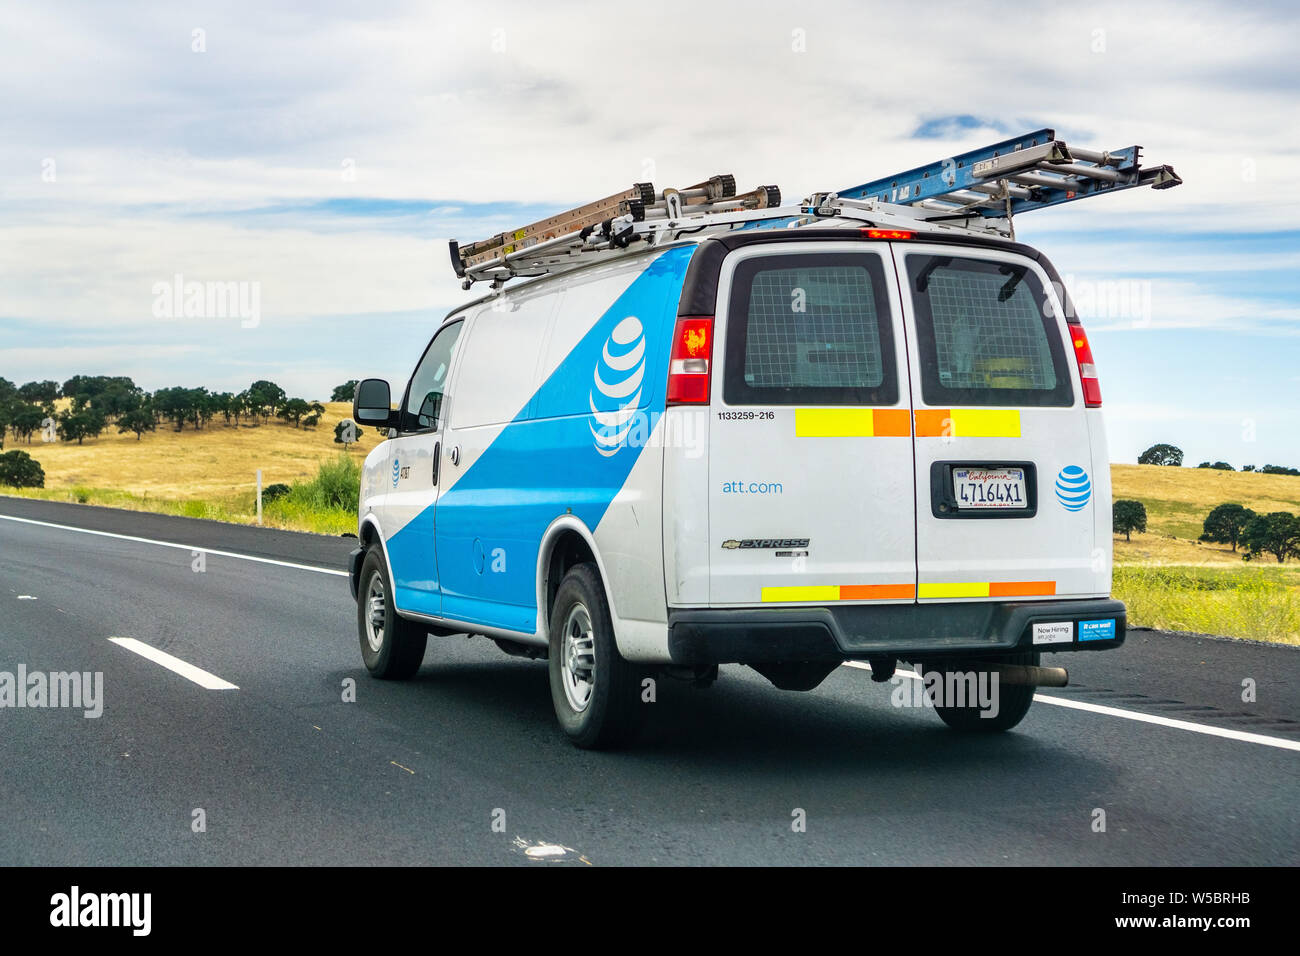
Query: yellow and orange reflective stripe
pixel 841 592
pixel 985 589
pixel 968 422
pixel 902 592
pixel 897 422
pixel 852 423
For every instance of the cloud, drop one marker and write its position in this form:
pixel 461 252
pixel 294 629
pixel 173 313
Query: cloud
pixel 329 152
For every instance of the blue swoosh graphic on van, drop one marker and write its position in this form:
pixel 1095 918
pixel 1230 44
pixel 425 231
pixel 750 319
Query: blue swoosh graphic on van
pixel 538 468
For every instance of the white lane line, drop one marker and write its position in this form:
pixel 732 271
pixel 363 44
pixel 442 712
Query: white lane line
pixel 1244 736
pixel 171 544
pixel 174 664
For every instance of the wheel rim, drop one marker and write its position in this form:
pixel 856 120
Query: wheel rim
pixel 375 610
pixel 578 658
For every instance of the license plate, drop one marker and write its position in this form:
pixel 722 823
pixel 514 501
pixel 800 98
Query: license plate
pixel 996 488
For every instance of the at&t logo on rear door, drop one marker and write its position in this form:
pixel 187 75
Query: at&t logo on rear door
pixel 1073 488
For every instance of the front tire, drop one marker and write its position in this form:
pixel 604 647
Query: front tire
pixel 391 646
pixel 1012 700
pixel 596 693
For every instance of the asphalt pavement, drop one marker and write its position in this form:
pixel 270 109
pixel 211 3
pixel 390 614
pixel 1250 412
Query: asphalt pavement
pixel 464 763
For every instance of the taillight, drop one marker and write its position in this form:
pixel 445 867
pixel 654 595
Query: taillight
pixel 1087 368
pixel 887 234
pixel 688 366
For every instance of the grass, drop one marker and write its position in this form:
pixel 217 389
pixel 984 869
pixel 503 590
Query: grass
pixel 1172 581
pixel 211 464
pixel 212 473
pixel 303 509
pixel 1259 603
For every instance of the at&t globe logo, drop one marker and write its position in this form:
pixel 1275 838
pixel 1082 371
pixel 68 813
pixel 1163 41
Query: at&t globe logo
pixel 616 388
pixel 1073 489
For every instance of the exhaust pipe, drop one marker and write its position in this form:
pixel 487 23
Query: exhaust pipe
pixel 1017 674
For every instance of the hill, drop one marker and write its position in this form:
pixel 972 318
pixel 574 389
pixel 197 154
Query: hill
pixel 1177 501
pixel 213 462
pixel 210 473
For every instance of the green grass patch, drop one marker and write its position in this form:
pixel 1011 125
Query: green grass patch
pixel 1258 603
pixel 326 504
pixel 1179 518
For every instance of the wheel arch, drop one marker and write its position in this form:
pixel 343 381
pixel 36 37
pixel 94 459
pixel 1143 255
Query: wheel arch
pixel 567 541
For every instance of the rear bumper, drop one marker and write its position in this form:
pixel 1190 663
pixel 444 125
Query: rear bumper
pixel 907 631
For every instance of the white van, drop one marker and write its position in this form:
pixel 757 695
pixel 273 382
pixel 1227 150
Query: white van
pixel 719 430
pixel 785 448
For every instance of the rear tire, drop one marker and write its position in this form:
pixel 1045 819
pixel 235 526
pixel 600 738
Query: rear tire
pixel 1012 700
pixel 391 646
pixel 596 693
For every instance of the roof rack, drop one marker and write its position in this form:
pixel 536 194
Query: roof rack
pixel 980 191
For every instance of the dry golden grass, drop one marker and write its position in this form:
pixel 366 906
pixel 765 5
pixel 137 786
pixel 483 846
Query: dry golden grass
pixel 218 461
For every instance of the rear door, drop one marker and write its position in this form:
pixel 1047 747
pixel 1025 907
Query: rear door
pixel 811 490
pixel 1004 482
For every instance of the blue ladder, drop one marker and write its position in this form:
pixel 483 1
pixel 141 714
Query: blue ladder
pixel 1028 172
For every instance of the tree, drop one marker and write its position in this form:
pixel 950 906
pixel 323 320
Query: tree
pixel 1247 467
pixel 117 400
pixel 1276 533
pixel 225 404
pixel 1225 524
pixel 1129 516
pixel 293 410
pixel 201 407
pixel 40 393
pixel 173 405
pixel 345 433
pixel 26 420
pixel 1217 466
pixel 344 392
pixel 81 425
pixel 138 420
pixel 1161 455
pixel 1279 470
pixel 7 411
pixel 265 398
pixel 20 470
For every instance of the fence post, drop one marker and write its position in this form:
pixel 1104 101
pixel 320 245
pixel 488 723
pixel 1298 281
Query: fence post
pixel 259 496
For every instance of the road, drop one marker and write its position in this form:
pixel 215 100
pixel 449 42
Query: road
pixel 464 763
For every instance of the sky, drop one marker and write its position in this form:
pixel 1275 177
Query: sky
pixel 320 155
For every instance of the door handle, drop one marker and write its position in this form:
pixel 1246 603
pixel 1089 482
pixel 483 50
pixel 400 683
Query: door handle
pixel 437 446
pixel 455 454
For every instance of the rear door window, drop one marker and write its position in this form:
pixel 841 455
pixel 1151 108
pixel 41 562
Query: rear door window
pixel 986 334
pixel 810 329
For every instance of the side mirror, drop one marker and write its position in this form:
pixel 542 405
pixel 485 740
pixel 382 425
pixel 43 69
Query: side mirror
pixel 372 403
